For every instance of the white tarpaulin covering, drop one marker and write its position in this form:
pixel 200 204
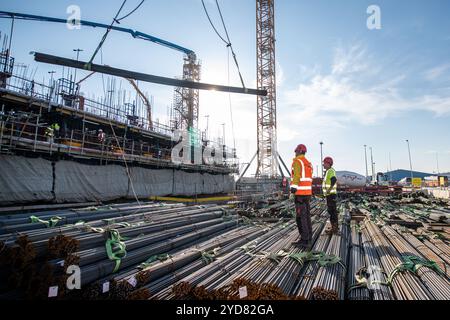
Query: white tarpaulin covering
pixel 27 180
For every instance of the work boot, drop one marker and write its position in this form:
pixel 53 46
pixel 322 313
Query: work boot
pixel 334 229
pixel 304 245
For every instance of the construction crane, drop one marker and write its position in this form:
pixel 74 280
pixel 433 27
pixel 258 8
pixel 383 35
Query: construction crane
pixel 266 105
pixel 186 101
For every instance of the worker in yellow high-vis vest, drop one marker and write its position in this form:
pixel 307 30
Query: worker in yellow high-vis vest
pixel 329 189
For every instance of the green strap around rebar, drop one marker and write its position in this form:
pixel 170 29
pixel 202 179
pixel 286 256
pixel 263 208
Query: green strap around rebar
pixel 321 257
pixel 246 221
pixel 123 224
pixel 209 256
pixel 249 246
pixel 275 256
pixel 413 264
pixel 156 257
pixel 52 222
pixel 115 248
pixel 94 229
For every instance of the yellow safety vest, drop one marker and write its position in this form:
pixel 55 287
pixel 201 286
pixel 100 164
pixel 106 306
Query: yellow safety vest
pixel 326 183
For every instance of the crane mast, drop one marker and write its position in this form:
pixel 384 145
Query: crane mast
pixel 266 105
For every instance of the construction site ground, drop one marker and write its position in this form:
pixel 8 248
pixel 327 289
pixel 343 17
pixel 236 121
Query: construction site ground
pixel 388 248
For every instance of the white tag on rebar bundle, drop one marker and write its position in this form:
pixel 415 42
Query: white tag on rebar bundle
pixel 105 287
pixel 132 281
pixel 53 292
pixel 243 292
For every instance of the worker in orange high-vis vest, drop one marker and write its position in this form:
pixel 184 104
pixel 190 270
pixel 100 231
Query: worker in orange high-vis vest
pixel 301 187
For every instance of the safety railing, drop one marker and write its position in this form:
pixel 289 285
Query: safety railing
pixel 55 94
pixel 28 134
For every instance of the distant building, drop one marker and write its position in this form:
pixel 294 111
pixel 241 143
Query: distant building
pixel 397 175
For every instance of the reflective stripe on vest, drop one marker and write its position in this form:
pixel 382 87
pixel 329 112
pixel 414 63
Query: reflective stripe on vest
pixel 305 181
pixel 326 183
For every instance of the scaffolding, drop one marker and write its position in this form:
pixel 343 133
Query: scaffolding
pixel 186 100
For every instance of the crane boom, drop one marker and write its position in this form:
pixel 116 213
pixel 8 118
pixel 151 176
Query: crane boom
pixel 133 33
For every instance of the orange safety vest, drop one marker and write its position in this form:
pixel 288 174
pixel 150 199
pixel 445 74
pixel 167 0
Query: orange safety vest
pixel 301 179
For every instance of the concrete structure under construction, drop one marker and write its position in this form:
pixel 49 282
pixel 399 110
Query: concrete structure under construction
pixel 57 145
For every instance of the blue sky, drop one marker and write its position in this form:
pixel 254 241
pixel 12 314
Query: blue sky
pixel 338 81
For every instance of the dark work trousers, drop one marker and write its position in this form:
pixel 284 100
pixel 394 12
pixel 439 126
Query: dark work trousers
pixel 332 209
pixel 303 218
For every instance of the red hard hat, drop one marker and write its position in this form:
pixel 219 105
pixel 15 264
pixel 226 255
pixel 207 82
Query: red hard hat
pixel 301 148
pixel 328 160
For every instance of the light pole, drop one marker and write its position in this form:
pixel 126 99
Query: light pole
pixel 365 156
pixel 390 167
pixel 410 162
pixel 223 128
pixel 207 126
pixel 375 179
pixel 51 76
pixel 372 165
pixel 321 158
pixel 52 87
pixel 437 163
pixel 78 54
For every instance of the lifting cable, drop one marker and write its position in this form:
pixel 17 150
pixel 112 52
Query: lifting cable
pixel 229 100
pixel 117 140
pixel 212 24
pixel 228 43
pixel 105 35
pixel 131 12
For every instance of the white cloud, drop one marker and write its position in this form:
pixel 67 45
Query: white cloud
pixel 356 92
pixel 351 60
pixel 436 72
pixel 279 74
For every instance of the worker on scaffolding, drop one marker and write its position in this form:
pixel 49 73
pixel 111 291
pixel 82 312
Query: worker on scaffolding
pixel 329 189
pixel 52 131
pixel 101 137
pixel 301 188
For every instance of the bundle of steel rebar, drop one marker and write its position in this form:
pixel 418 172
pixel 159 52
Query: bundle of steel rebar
pixel 286 274
pixel 43 220
pixel 435 246
pixel 329 283
pixel 219 271
pixel 373 276
pixel 92 234
pixel 433 279
pixel 357 287
pixel 162 270
pixel 255 269
pixel 147 233
pixel 307 275
pixel 425 251
pixel 404 285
